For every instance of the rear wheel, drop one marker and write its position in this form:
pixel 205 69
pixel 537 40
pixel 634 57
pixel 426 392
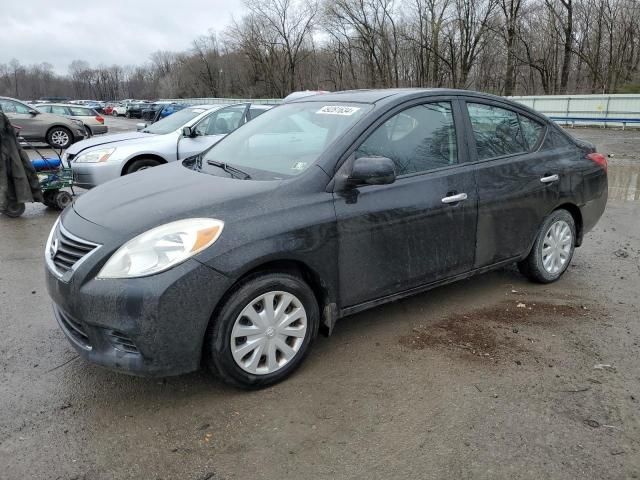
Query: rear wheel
pixel 553 249
pixel 128 115
pixel 142 164
pixel 263 331
pixel 114 113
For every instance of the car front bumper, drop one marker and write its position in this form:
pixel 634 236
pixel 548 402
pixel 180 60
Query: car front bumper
pixel 89 175
pixel 150 326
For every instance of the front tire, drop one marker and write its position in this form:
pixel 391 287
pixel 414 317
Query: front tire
pixel 59 137
pixel 142 164
pixel 553 249
pixel 263 331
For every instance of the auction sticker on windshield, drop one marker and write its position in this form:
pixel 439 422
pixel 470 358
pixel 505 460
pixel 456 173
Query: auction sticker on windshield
pixel 338 110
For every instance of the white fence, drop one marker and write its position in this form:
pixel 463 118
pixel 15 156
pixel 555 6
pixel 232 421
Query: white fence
pixel 593 107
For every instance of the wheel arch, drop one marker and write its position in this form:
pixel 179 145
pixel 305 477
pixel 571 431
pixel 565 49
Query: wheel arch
pixel 140 156
pixel 326 303
pixel 575 212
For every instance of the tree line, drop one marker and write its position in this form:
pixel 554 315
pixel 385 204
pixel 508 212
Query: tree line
pixel 507 47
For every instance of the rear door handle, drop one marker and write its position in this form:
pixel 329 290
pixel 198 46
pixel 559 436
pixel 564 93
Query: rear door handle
pixel 550 178
pixel 455 198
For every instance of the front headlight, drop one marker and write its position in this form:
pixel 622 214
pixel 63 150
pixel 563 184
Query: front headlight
pixel 162 248
pixel 95 156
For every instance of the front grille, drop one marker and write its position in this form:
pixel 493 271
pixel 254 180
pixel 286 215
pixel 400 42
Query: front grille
pixel 74 329
pixel 66 250
pixel 122 342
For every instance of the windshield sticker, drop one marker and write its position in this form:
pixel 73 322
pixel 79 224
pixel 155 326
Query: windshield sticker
pixel 338 110
pixel 299 166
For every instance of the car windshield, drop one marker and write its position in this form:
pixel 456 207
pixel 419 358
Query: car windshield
pixel 175 121
pixel 285 141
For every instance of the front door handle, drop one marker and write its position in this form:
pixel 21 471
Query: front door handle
pixel 550 178
pixel 455 198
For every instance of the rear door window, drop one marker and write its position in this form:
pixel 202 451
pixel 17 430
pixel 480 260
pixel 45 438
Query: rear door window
pixel 59 110
pixel 496 130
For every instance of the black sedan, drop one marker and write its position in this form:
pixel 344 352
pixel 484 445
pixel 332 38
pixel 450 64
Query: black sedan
pixel 317 209
pixel 134 110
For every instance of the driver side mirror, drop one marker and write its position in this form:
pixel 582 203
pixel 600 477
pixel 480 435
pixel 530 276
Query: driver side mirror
pixel 34 112
pixel 189 132
pixel 372 171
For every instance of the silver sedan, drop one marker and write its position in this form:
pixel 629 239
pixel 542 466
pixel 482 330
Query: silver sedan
pixel 176 137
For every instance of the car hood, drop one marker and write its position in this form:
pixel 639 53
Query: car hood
pixel 137 202
pixel 129 137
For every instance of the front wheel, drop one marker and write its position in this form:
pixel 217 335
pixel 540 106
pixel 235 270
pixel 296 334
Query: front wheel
pixel 142 164
pixel 553 249
pixel 59 137
pixel 263 331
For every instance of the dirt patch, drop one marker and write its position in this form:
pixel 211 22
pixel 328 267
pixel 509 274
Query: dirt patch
pixel 494 331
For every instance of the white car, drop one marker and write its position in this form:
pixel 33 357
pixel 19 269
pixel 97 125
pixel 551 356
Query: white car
pixel 119 110
pixel 176 137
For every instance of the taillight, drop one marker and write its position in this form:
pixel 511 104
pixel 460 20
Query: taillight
pixel 100 119
pixel 598 159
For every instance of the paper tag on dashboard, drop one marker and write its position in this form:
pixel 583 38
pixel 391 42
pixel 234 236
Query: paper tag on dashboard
pixel 338 110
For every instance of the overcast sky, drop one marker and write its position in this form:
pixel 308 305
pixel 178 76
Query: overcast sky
pixel 108 31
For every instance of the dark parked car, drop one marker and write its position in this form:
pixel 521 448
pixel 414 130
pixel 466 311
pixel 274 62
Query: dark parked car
pixel 134 110
pixel 317 209
pixel 161 110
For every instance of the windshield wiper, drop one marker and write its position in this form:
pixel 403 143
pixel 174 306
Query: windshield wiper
pixel 233 171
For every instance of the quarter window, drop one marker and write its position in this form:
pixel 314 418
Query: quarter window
pixel 419 139
pixel 496 130
pixel 531 130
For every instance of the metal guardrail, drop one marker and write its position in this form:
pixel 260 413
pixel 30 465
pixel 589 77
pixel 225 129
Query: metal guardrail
pixel 602 110
pixel 616 109
pixel 215 101
pixel 595 120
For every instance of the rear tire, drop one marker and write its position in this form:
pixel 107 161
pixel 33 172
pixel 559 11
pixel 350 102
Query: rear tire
pixel 553 249
pixel 280 347
pixel 142 164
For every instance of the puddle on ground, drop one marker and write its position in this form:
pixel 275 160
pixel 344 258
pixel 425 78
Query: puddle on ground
pixel 624 182
pixel 493 333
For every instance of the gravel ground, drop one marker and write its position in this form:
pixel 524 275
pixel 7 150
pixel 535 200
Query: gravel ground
pixel 492 377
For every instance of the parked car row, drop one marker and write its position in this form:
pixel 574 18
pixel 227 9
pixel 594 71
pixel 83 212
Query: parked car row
pixel 93 122
pixel 315 210
pixel 185 133
pixel 37 126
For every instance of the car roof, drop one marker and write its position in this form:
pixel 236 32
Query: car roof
pixel 378 95
pixel 73 105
